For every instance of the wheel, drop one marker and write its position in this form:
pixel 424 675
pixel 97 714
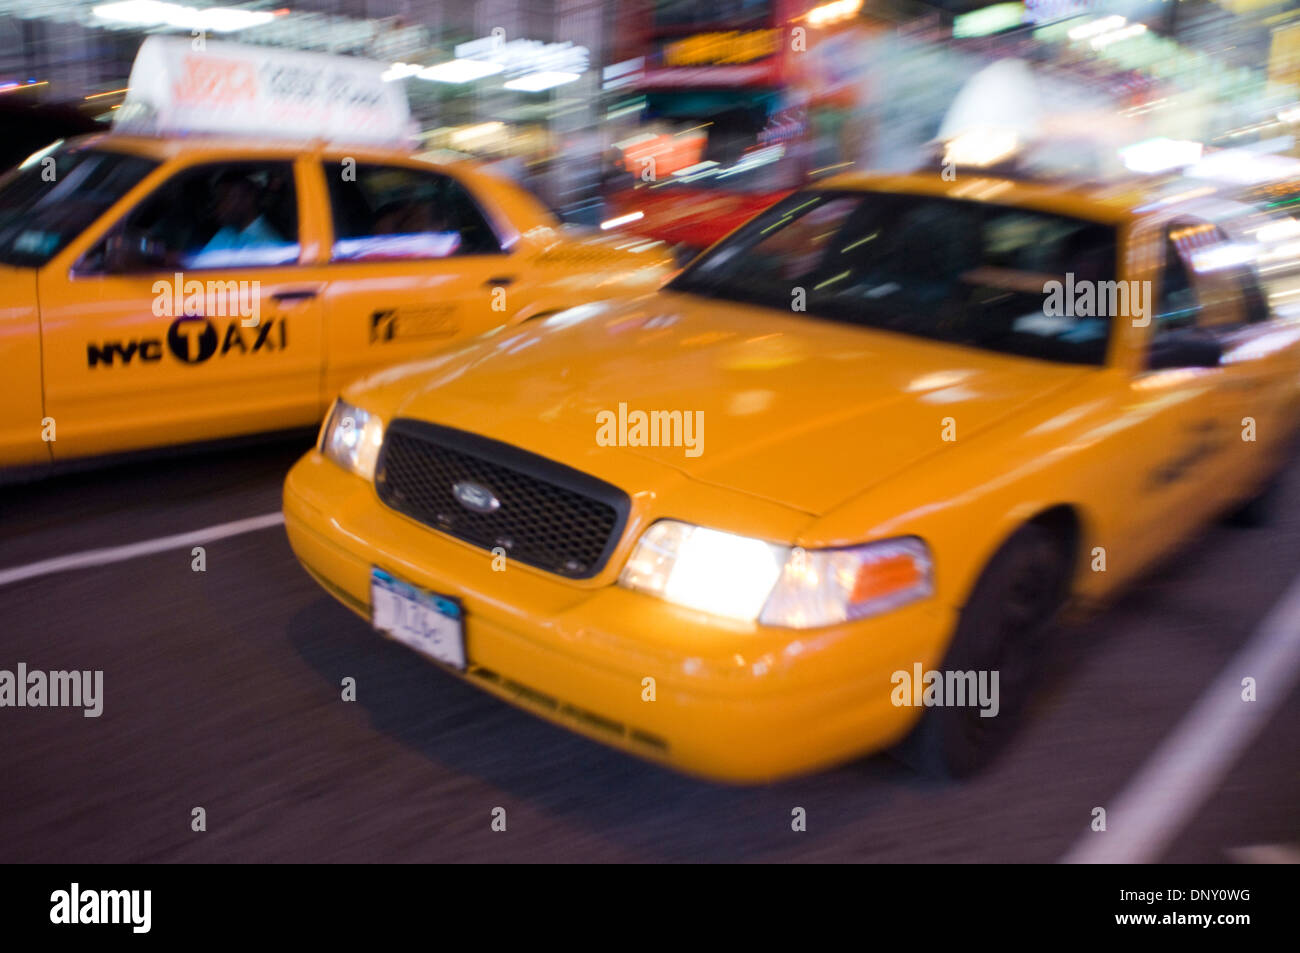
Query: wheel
pixel 1002 629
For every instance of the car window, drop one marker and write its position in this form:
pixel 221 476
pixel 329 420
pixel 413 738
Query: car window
pixel 995 277
pixel 51 199
pixel 393 212
pixel 216 215
pixel 1229 263
pixel 1254 301
pixel 1176 305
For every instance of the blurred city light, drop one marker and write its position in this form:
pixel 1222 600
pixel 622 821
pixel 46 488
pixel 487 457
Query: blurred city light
pixel 542 80
pixel 460 71
pixel 1160 155
pixel 152 13
pixel 837 11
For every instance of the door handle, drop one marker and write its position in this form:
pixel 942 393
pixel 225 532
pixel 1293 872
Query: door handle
pixel 299 294
pixel 500 281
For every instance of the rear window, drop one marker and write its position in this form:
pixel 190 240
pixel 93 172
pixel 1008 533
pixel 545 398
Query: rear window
pixel 394 212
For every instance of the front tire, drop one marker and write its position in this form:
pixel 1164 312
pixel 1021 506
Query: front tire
pixel 1003 628
pixel 1259 509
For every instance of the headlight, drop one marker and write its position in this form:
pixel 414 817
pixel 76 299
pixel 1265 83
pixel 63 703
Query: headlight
pixel 749 579
pixel 704 569
pixel 825 586
pixel 351 438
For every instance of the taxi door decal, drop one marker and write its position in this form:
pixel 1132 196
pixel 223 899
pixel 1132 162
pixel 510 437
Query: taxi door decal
pixel 191 339
pixel 416 322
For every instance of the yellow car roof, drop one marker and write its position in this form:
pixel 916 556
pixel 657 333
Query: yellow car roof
pixel 170 147
pixel 1112 203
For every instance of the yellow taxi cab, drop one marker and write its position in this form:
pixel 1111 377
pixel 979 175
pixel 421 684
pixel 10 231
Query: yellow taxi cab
pixel 174 288
pixel 829 489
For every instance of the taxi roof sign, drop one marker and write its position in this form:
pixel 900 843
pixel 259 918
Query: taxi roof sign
pixel 239 89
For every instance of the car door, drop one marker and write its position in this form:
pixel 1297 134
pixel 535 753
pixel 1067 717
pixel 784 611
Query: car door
pixel 21 430
pixel 188 318
pixel 46 205
pixel 1179 430
pixel 414 262
pixel 1261 360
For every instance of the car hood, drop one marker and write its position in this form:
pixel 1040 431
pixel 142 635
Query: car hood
pixel 798 411
pixel 585 247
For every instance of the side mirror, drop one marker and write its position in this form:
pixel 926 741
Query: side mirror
pixel 1192 348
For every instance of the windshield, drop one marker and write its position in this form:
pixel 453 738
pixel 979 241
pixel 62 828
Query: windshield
pixel 50 199
pixel 948 270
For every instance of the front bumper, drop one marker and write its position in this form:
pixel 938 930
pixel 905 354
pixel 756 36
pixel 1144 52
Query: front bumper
pixel 731 702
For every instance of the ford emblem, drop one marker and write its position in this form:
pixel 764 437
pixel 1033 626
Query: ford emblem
pixel 475 497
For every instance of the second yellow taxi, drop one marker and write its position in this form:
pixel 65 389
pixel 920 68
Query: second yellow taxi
pixel 829 488
pixel 174 288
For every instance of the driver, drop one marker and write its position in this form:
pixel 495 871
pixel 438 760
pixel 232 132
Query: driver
pixel 242 225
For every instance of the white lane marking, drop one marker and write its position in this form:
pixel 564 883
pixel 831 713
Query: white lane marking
pixel 117 554
pixel 1190 763
pixel 1265 854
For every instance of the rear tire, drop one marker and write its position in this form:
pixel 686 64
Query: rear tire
pixel 1259 509
pixel 1003 628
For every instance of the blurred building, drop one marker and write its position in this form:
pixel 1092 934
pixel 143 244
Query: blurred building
pixel 556 91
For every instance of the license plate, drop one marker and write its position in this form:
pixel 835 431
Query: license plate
pixel 431 624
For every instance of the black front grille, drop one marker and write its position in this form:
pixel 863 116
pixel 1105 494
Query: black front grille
pixel 546 515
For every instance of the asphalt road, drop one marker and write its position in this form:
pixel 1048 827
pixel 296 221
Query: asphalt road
pixel 222 691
